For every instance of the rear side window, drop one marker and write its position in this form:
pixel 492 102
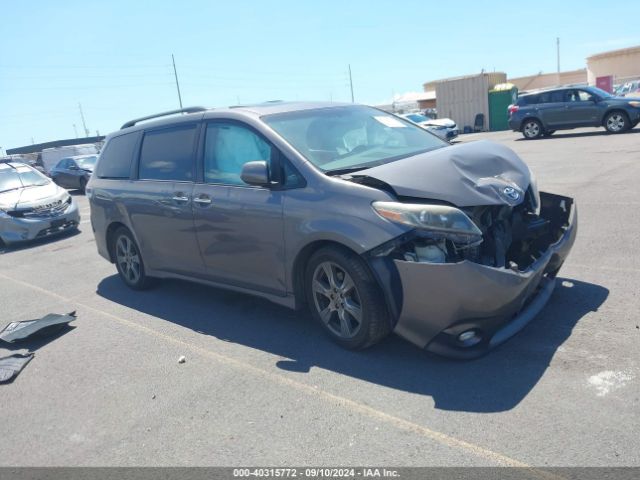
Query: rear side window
pixel 115 159
pixel 168 154
pixel 528 100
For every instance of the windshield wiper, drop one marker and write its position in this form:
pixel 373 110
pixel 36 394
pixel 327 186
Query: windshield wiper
pixel 342 171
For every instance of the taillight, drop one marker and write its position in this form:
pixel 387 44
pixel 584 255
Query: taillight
pixel 513 109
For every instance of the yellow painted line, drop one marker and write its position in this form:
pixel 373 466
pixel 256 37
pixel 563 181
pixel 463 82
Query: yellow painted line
pixel 353 405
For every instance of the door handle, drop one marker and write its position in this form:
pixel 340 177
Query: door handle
pixel 180 197
pixel 202 200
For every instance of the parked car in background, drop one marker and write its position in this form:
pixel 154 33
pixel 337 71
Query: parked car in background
pixel 629 89
pixel 74 172
pixel 51 156
pixel 541 113
pixel 369 220
pixel 32 206
pixel 445 128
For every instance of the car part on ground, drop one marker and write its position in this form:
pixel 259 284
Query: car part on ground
pixel 12 365
pixel 365 218
pixel 542 112
pixel 46 325
pixel 32 206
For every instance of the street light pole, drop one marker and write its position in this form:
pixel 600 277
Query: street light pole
pixel 175 73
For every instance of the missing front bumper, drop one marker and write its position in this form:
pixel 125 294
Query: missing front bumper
pixel 442 300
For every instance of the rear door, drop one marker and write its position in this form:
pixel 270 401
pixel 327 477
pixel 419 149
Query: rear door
pixel 160 204
pixel 239 226
pixel 551 108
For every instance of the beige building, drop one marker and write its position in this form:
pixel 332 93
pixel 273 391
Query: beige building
pixel 544 80
pixel 623 64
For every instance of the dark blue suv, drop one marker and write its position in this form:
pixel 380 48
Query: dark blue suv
pixel 542 112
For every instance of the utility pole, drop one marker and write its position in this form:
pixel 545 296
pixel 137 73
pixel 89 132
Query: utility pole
pixel 84 124
pixel 75 130
pixel 558 56
pixel 175 73
pixel 351 83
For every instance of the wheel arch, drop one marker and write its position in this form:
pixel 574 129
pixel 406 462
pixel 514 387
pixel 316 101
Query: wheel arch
pixel 111 230
pixel 532 117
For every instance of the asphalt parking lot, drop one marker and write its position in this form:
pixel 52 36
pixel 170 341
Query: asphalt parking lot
pixel 262 385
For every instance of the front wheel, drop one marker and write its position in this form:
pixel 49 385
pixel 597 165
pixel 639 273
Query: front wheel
pixel 532 129
pixel 345 299
pixel 129 261
pixel 616 122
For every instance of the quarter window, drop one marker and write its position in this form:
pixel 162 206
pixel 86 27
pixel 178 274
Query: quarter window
pixel 115 159
pixel 167 154
pixel 227 148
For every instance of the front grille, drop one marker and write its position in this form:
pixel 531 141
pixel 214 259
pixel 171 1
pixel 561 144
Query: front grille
pixel 49 210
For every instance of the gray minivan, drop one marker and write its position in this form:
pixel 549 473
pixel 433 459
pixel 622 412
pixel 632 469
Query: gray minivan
pixel 369 220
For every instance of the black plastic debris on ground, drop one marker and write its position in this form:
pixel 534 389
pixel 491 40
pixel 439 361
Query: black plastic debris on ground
pixel 11 366
pixel 46 325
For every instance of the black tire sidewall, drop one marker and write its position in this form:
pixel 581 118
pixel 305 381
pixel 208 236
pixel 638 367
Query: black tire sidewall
pixel 368 293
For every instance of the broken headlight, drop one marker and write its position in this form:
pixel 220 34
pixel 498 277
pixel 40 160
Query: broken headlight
pixel 439 222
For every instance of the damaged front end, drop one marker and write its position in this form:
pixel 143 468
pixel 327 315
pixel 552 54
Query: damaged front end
pixel 464 280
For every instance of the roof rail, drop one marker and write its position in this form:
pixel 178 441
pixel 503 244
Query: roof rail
pixel 131 123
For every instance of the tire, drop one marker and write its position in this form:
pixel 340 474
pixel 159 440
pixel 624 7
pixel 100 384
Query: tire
pixel 126 254
pixel 617 122
pixel 83 184
pixel 345 299
pixel 532 129
pixel 548 133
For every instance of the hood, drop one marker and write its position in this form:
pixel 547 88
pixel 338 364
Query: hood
pixel 440 122
pixel 32 197
pixel 465 175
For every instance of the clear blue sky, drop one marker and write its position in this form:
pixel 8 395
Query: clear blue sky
pixel 114 56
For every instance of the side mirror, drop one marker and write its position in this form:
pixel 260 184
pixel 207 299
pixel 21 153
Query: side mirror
pixel 256 173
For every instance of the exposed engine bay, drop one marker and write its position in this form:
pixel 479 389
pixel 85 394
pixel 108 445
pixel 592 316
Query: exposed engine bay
pixel 512 237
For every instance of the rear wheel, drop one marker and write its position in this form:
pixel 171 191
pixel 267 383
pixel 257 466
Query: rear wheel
pixel 616 122
pixel 129 261
pixel 345 299
pixel 532 129
pixel 83 184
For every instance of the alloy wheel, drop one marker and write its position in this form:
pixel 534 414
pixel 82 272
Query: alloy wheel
pixel 616 122
pixel 128 259
pixel 336 299
pixel 531 129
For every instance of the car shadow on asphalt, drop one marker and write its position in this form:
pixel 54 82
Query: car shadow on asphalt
pixel 496 382
pixel 569 134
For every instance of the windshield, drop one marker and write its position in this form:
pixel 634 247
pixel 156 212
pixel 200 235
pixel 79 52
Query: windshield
pixel 87 162
pixel 351 137
pixel 416 117
pixel 601 93
pixel 12 178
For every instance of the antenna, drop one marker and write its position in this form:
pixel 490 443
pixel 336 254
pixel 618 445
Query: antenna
pixel 175 73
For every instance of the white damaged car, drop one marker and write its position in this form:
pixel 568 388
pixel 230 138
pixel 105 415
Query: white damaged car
pixel 32 206
pixel 445 128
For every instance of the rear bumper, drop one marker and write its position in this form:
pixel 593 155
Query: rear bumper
pixel 14 230
pixel 515 125
pixel 441 301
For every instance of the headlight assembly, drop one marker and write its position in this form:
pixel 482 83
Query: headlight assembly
pixel 439 222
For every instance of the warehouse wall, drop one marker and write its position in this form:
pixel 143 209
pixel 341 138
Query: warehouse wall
pixel 462 98
pixel 622 64
pixel 544 80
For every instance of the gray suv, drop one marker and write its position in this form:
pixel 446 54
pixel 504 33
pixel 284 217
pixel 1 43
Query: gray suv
pixel 373 223
pixel 541 113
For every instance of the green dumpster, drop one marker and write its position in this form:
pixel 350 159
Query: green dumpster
pixel 500 97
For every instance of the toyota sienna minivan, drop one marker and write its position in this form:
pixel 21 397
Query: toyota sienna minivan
pixel 368 220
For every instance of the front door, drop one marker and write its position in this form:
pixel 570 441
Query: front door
pixel 239 227
pixel 581 109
